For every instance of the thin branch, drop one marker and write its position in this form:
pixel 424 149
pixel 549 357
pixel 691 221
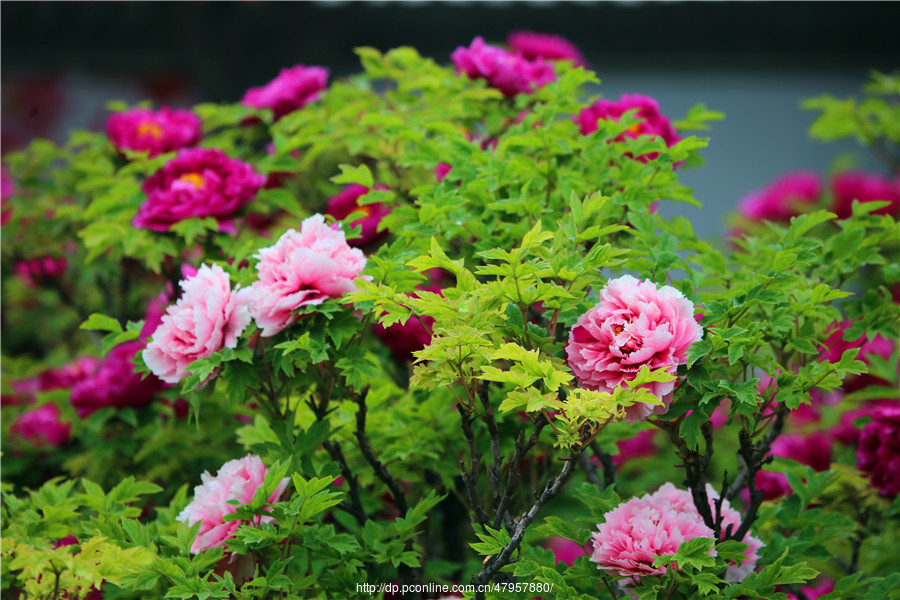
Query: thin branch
pixel 379 468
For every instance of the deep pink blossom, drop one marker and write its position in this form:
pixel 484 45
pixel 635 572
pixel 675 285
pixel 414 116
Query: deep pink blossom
pixel 42 427
pixel 783 198
pixel 864 187
pixel 847 433
pixel 7 190
pixel 347 201
pixel 652 122
pixel 510 73
pixel 878 454
pixel 209 316
pixel 811 450
pixel 441 170
pixel 534 45
pixel 637 531
pixel 199 182
pixel 238 479
pixel 292 89
pixel 115 383
pixel 636 447
pixel 811 592
pixel 635 324
pixel 36 271
pixel 410 337
pixel 154 132
pixel 835 346
pixel 564 550
pixel 302 268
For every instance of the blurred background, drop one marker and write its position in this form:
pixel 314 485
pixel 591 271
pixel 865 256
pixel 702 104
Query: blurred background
pixel 754 61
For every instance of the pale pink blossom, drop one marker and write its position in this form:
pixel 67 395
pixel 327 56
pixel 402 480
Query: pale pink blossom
pixel 682 501
pixel 636 532
pixel 238 479
pixel 635 324
pixel 302 268
pixel 209 316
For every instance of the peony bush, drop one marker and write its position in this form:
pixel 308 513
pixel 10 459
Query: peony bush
pixel 429 331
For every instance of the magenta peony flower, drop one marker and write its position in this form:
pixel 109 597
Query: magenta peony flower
pixel 639 530
pixel 813 592
pixel 878 454
pixel 293 89
pixel 835 346
pixel 635 324
pixel 154 132
pixel 782 199
pixel 682 501
pixel 845 432
pixel 653 123
pixel 209 316
pixel 199 182
pixel 7 190
pixel 302 268
pixel 862 187
pixel 533 45
pixel 441 170
pixel 238 479
pixel 407 338
pixel 115 383
pixel 640 445
pixel 41 427
pixel 564 550
pixel 69 375
pixel 510 73
pixel 36 271
pixel 347 201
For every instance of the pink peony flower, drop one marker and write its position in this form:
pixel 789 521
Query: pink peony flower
pixel 7 190
pixel 682 501
pixel 878 454
pixel 199 182
pixel 639 530
pixel 238 479
pixel 302 268
pixel 835 346
pixel 154 132
pixel 347 201
pixel 862 187
pixel 653 122
pixel 209 316
pixel 845 432
pixel 406 338
pixel 812 450
pixel 635 324
pixel 36 271
pixel 564 550
pixel 291 90
pixel 533 45
pixel 640 445
pixel 441 170
pixel 812 592
pixel 783 198
pixel 115 383
pixel 41 427
pixel 510 73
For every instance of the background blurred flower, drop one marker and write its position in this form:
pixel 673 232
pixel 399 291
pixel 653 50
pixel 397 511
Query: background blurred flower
pixel 42 427
pixel 510 73
pixel 878 454
pixel 154 132
pixel 292 89
pixel 783 198
pixel 864 187
pixel 534 45
pixel 347 202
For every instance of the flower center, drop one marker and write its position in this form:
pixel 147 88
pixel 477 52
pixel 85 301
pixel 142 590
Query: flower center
pixel 635 129
pixel 195 179
pixel 150 128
